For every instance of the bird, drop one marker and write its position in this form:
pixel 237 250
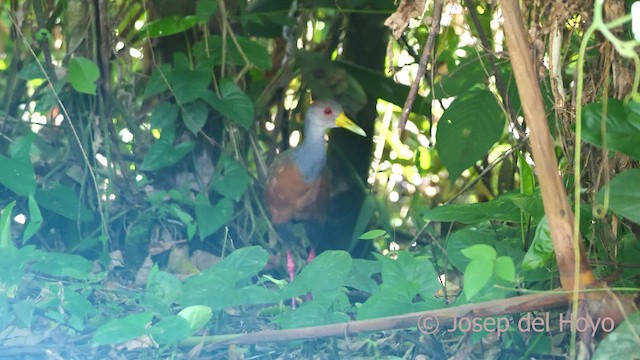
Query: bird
pixel 298 181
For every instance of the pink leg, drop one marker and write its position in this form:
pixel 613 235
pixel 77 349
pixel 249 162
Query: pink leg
pixel 291 265
pixel 312 255
pixel 291 268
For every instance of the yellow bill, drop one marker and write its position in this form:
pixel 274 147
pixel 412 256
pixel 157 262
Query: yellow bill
pixel 344 122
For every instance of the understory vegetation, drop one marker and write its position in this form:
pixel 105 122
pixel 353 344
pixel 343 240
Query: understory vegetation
pixel 135 138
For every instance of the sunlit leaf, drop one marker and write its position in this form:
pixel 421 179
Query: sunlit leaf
pixel 624 195
pixel 464 134
pixel 83 74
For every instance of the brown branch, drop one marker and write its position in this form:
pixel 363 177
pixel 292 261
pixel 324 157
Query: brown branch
pixel 554 196
pixel 445 318
pixel 426 55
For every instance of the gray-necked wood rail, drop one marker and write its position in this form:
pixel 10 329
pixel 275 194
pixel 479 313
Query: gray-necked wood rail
pixel 298 183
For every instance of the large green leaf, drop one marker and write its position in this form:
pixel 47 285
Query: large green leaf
pixel 211 218
pixel 622 126
pixel 230 179
pixel 62 200
pixel 467 130
pixel 194 116
pixel 169 26
pixel 120 330
pixel 163 153
pixel 624 195
pixel 83 74
pixel 17 175
pixel 35 220
pixel 234 104
pixel 540 252
pixel 164 115
pixel 500 208
pixel 186 83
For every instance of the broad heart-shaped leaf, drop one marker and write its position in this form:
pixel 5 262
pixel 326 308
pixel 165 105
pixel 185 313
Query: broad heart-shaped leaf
pixel 230 179
pixel 467 130
pixel 194 116
pixel 206 8
pixel 324 275
pixel 624 194
pixel 164 115
pixel 64 265
pixel 83 74
pixel 505 269
pixel 622 122
pixel 169 26
pixel 62 200
pixel 158 81
pixel 234 104
pixel 500 208
pixel 120 330
pixel 17 174
pixel 480 251
pixel 170 330
pixel 310 313
pixel 503 240
pixel 476 276
pixel 187 84
pixel 211 218
pixel 162 153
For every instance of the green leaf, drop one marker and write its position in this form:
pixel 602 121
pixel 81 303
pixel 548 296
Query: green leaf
pixel 31 71
pixel 505 269
pixel 311 313
pixel 480 252
pixel 211 218
pixel 373 234
pixel 120 330
pixel 6 243
pixel 234 104
pixel 500 208
pixel 541 251
pixel 170 330
pixel 164 115
pixel 621 342
pixel 162 153
pixel 323 277
pixel 206 8
pixel 230 179
pixel 360 275
pixel 464 134
pixel 197 316
pixel 64 265
pixel 194 116
pixel 527 180
pixel 624 195
pixel 187 84
pixel 477 275
pixel 158 81
pixel 35 220
pixel 17 173
pixel 622 125
pixel 62 200
pixel 169 26
pixel 83 74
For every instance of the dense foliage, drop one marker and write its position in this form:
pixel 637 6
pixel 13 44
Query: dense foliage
pixel 135 139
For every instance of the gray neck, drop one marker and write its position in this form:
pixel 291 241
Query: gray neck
pixel 311 155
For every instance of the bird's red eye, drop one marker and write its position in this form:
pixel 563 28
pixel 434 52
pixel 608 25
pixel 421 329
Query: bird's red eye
pixel 328 111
